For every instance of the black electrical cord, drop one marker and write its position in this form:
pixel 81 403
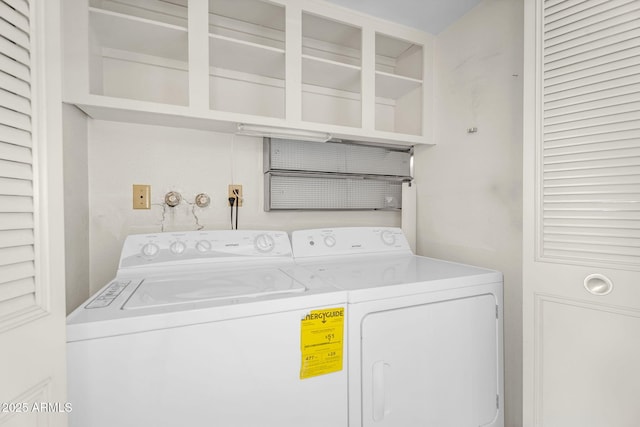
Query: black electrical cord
pixel 237 205
pixel 232 201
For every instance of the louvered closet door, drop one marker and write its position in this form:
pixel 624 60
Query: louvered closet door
pixel 582 213
pixel 32 343
pixel 17 268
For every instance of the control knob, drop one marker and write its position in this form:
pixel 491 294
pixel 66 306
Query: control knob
pixel 203 246
pixel 388 238
pixel 150 250
pixel 177 247
pixel 264 243
pixel 330 241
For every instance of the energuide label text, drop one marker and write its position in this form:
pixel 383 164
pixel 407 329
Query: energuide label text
pixel 321 342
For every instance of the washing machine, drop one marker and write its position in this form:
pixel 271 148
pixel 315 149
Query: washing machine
pixel 208 328
pixel 424 335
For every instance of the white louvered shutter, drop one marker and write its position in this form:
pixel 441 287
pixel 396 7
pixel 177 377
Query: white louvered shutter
pixel 17 263
pixel 591 133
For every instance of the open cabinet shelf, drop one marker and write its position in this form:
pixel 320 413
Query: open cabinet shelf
pixel 129 33
pixel 399 82
pixel 398 57
pixel 330 74
pixel 172 12
pixel 331 71
pixel 331 40
pixel 283 63
pixel 246 57
pixel 392 86
pixel 135 57
pixel 255 21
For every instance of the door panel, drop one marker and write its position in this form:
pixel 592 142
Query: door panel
pixel 581 256
pixel 592 348
pixel 32 312
pixel 581 350
pixel 433 364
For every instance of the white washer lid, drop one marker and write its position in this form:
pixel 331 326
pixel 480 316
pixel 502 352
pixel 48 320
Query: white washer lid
pixel 164 291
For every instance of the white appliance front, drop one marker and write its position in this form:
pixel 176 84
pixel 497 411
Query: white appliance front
pixel 425 335
pixel 201 329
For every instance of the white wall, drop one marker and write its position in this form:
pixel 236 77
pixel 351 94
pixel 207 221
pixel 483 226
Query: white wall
pixel 470 185
pixel 76 205
pixel 190 162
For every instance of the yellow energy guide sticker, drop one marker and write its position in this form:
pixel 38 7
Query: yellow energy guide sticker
pixel 321 342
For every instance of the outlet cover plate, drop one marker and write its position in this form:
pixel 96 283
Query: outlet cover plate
pixel 141 196
pixel 231 193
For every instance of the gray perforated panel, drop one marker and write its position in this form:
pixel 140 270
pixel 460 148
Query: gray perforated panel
pixel 337 158
pixel 316 192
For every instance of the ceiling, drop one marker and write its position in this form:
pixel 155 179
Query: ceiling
pixel 431 16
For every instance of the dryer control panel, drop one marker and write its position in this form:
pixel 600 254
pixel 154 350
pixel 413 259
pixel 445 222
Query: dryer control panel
pixel 203 246
pixel 348 241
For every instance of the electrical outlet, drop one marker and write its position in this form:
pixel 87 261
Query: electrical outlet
pixel 141 196
pixel 233 187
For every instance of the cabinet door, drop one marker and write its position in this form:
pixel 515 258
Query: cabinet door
pixel 433 365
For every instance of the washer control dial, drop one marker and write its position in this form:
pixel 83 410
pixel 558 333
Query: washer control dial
pixel 330 240
pixel 177 247
pixel 203 246
pixel 150 250
pixel 264 243
pixel 388 238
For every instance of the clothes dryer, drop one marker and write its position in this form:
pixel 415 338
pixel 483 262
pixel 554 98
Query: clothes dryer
pixel 424 335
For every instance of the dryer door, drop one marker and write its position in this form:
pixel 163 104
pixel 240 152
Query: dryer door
pixel 434 364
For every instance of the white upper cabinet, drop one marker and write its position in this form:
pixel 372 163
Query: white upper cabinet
pixel 139 50
pixel 301 64
pixel 399 85
pixel 247 57
pixel 331 71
